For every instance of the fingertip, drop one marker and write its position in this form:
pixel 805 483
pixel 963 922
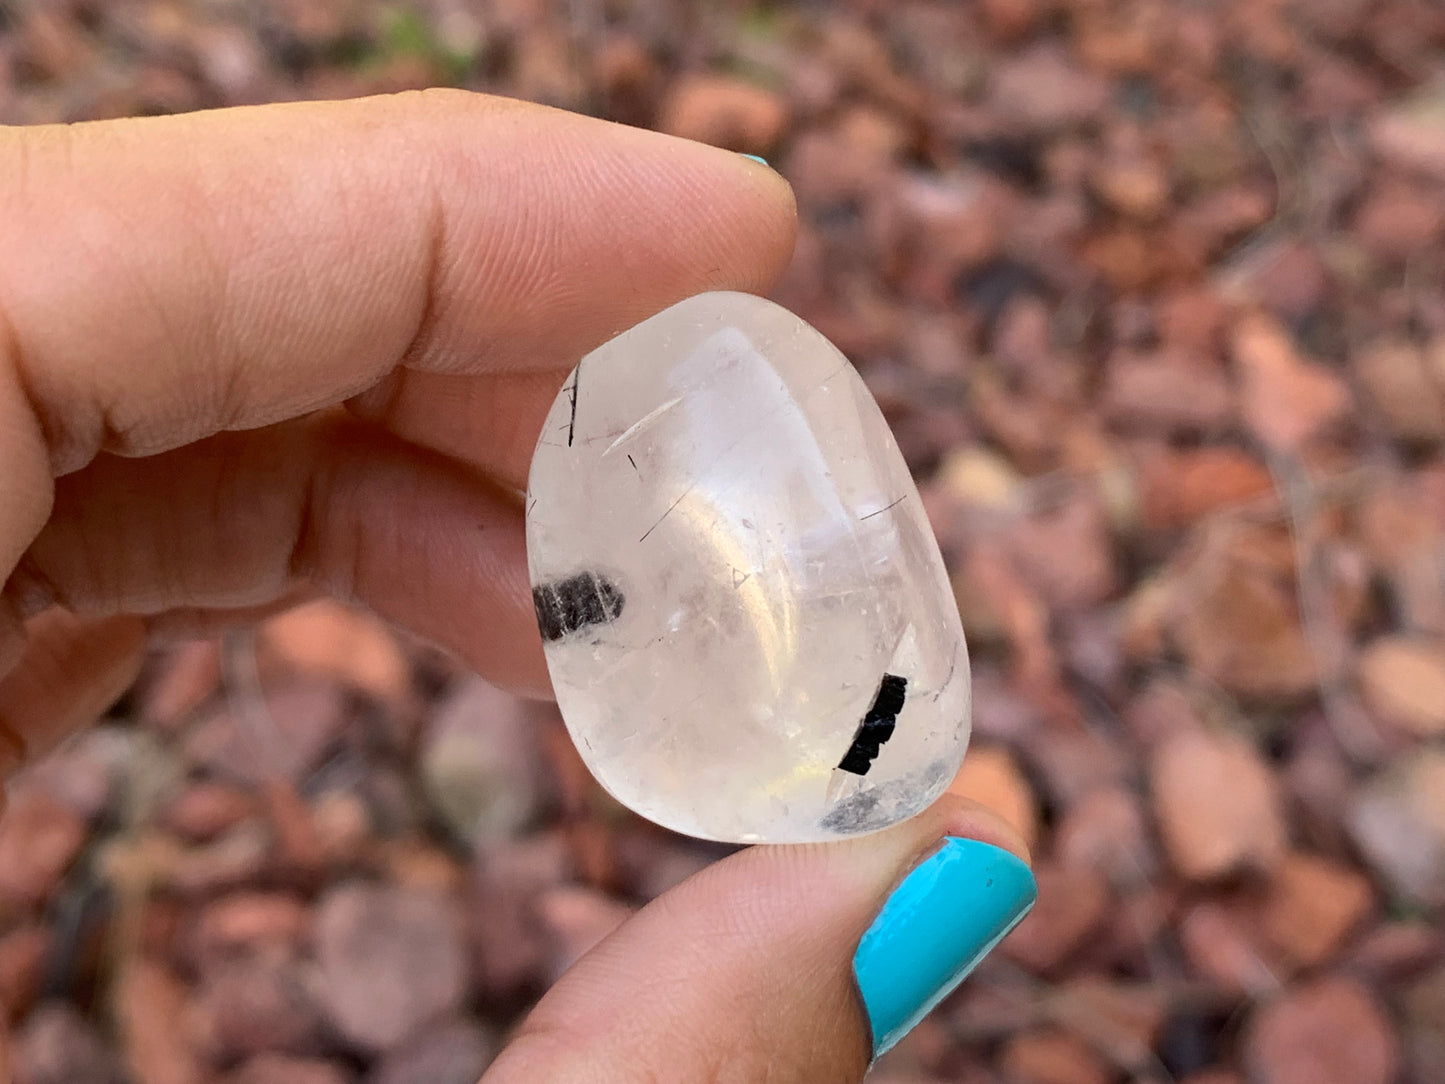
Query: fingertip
pixel 938 923
pixel 72 669
pixel 964 818
pixel 824 954
pixel 778 205
pixel 524 672
pixel 777 211
pixel 742 205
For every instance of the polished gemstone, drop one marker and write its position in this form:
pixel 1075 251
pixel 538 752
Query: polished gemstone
pixel 746 618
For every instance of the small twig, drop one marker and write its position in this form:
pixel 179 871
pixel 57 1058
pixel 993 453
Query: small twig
pixel 247 698
pixel 1318 619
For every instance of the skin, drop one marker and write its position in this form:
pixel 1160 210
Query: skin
pixel 252 355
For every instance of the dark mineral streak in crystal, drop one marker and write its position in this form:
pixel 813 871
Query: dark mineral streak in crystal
pixel 877 725
pixel 572 424
pixel 578 602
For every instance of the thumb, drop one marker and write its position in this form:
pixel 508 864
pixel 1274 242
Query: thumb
pixel 788 963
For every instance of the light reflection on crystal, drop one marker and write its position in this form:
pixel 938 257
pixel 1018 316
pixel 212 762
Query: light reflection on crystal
pixel 730 476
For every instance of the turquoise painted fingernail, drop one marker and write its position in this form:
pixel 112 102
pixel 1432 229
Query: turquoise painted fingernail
pixel 755 158
pixel 946 916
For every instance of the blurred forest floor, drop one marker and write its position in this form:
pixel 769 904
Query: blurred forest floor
pixel 1154 295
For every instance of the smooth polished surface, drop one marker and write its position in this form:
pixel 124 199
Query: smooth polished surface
pixel 748 624
pixel 947 915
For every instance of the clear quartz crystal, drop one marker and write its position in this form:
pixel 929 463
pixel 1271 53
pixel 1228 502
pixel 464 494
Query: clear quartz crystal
pixel 747 621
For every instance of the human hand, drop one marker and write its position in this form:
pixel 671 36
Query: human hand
pixel 253 354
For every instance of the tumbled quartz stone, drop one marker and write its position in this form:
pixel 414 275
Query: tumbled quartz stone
pixel 746 618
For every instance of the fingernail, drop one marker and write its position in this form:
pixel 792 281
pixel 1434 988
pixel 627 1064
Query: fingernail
pixel 755 158
pixel 946 916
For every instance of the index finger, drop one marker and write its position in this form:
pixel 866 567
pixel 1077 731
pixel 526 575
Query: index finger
pixel 166 278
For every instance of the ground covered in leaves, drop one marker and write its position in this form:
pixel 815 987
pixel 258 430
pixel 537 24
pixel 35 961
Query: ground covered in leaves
pixel 1152 293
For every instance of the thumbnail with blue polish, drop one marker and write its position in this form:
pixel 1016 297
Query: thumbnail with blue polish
pixel 947 915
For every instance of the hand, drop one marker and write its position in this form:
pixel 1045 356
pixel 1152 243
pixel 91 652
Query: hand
pixel 257 353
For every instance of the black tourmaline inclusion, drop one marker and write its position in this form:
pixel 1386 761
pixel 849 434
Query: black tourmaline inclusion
pixel 877 725
pixel 580 601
